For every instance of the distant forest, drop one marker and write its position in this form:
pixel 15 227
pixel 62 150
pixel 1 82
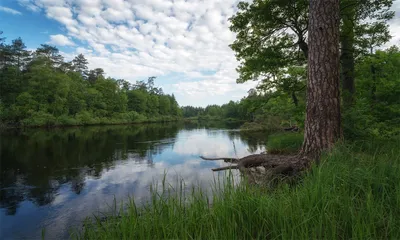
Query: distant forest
pixel 40 88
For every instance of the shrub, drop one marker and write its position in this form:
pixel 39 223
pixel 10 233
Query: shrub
pixel 66 120
pixel 40 119
pixel 252 126
pixel 85 117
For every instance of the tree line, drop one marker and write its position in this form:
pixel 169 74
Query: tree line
pixel 41 88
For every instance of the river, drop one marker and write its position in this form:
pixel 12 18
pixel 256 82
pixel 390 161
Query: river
pixel 54 179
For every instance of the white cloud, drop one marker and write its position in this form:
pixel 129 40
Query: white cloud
pixel 61 40
pixel 395 25
pixel 10 10
pixel 134 39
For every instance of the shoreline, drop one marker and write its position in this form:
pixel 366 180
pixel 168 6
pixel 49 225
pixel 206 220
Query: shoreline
pixel 57 126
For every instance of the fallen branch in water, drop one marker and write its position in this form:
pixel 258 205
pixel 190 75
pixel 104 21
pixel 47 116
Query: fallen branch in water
pixel 232 160
pixel 225 168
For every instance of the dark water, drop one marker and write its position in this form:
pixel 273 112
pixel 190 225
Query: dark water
pixel 53 179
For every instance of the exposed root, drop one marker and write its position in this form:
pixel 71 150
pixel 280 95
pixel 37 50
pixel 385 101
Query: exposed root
pixel 264 166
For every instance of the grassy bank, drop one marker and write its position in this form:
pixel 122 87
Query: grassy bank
pixel 354 193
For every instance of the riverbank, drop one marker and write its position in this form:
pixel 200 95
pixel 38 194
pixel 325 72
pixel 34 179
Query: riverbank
pixel 85 120
pixel 354 193
pixel 67 121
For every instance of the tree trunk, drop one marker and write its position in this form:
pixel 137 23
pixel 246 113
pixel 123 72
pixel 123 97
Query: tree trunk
pixel 373 87
pixel 295 100
pixel 323 124
pixel 303 46
pixel 347 56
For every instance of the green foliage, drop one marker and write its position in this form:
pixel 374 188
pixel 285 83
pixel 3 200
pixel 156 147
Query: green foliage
pixel 66 120
pixel 377 108
pixel 40 118
pixel 252 126
pixel 353 194
pixel 375 112
pixel 40 89
pixel 264 47
pixel 267 52
pixel 284 143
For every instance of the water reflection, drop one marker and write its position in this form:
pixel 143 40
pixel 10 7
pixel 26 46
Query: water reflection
pixel 55 178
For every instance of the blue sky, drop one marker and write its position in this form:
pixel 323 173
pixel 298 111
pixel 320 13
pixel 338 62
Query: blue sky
pixel 183 43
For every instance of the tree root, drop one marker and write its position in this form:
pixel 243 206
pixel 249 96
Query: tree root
pixel 265 166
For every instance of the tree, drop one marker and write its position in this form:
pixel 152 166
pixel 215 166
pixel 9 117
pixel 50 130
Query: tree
pixel 165 105
pixel 323 120
pixel 271 36
pixel 382 89
pixel 2 39
pixel 50 55
pixel 347 54
pixel 5 54
pixel 20 56
pixel 263 43
pixel 289 80
pixel 80 64
pixel 137 101
pixel 66 67
pixel 124 85
pixel 360 19
pixel 95 74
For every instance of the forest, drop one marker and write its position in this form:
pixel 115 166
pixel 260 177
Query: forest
pixel 41 89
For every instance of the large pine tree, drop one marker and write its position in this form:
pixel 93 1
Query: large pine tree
pixel 323 124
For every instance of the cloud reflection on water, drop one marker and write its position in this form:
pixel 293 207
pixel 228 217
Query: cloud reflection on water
pixel 124 162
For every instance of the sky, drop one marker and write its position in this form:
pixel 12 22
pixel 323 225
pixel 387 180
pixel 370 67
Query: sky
pixel 184 43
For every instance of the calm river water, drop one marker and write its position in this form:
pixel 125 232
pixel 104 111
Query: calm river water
pixel 54 179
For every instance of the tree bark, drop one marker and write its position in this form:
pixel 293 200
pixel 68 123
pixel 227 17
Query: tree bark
pixel 295 100
pixel 303 46
pixel 323 123
pixel 347 56
pixel 373 87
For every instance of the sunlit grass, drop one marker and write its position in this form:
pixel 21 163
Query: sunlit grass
pixel 353 194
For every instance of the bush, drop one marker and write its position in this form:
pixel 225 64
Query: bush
pixel 85 117
pixel 252 126
pixel 271 123
pixel 136 117
pixel 66 120
pixel 40 119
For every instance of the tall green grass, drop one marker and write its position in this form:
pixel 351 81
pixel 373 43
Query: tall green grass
pixel 353 194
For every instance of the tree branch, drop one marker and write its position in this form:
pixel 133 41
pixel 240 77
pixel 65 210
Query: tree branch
pixel 225 168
